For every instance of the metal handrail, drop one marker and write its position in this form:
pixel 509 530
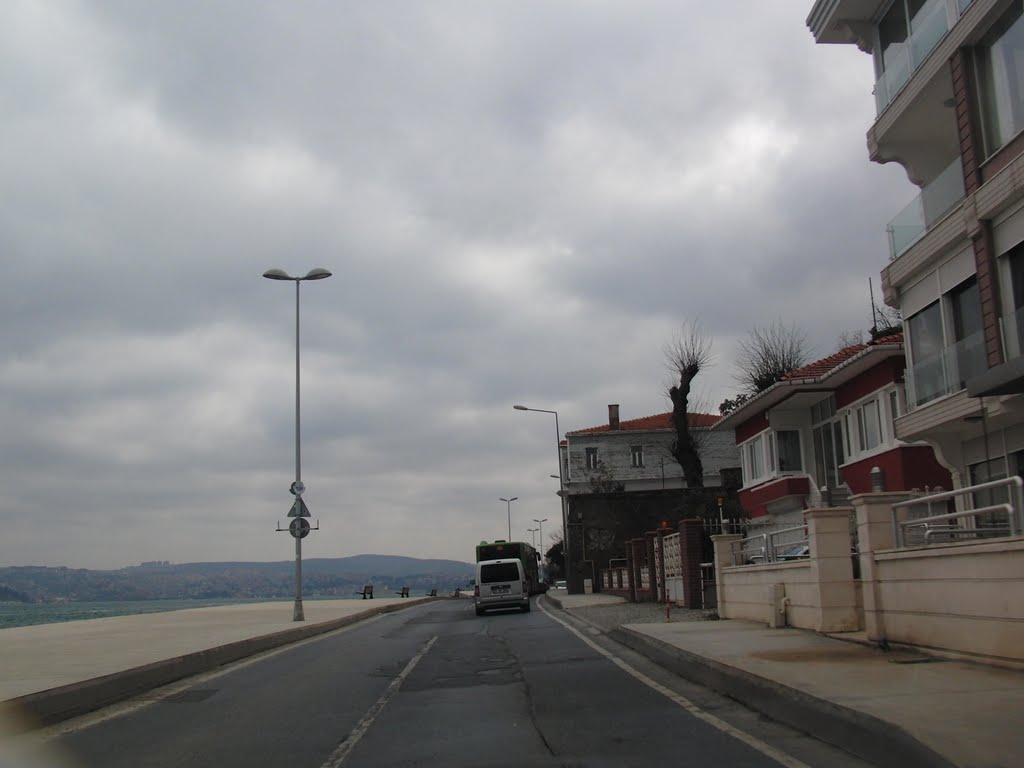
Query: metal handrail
pixel 768 547
pixel 1014 511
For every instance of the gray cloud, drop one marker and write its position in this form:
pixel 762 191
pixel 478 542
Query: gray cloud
pixel 519 203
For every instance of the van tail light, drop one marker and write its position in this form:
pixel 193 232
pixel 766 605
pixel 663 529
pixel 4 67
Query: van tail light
pixel 526 589
pixel 476 591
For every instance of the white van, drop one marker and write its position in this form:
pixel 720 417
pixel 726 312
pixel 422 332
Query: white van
pixel 500 584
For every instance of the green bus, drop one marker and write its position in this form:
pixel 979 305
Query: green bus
pixel 525 553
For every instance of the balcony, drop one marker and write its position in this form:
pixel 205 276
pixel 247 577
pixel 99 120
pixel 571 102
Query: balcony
pixel 946 372
pixel 1012 328
pixel 934 202
pixel 927 28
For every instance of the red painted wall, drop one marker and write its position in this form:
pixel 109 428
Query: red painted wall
pixel 881 375
pixel 904 468
pixel 751 427
pixel 753 500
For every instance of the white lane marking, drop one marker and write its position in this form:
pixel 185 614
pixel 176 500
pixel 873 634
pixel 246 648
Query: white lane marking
pixel 345 748
pixel 765 749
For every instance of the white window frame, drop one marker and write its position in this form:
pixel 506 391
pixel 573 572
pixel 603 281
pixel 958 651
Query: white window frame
pixel 636 453
pixel 591 453
pixel 761 453
pixel 854 417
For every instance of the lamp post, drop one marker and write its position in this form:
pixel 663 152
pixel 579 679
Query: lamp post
pixel 533 537
pixel 561 477
pixel 540 528
pixel 508 506
pixel 299 526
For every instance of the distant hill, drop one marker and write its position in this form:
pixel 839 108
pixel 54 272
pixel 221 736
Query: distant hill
pixel 338 577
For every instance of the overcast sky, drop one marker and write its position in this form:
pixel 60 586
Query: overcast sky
pixel 520 203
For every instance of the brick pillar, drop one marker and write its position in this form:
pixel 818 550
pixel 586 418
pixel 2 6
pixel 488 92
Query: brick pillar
pixel 634 548
pixel 662 594
pixel 828 533
pixel 691 550
pixel 874 534
pixel 649 543
pixel 723 559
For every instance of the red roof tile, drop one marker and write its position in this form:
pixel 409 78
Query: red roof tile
pixel 825 365
pixel 658 421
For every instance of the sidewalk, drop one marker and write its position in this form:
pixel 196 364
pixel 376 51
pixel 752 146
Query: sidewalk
pixel 891 708
pixel 52 672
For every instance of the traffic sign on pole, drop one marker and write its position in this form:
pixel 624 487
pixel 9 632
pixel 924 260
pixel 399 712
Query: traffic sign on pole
pixel 299 509
pixel 299 528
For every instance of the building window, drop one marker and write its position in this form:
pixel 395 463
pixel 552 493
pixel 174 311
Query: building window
pixel 969 350
pixel 591 458
pixel 788 442
pixel 926 348
pixel 985 472
pixel 869 426
pixel 827 435
pixel 752 454
pixel 770 454
pixel 1016 261
pixel 637 452
pixel 1000 64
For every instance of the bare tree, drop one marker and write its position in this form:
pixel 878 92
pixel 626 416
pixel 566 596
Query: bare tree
pixel 887 321
pixel 687 354
pixel 768 353
pixel 849 338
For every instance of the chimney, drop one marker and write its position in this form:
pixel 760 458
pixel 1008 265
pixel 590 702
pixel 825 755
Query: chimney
pixel 613 417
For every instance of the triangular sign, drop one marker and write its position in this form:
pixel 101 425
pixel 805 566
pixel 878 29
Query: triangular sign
pixel 299 509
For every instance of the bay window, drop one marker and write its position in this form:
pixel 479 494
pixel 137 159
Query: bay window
pixel 771 454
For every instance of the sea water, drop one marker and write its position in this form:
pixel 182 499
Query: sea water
pixel 26 614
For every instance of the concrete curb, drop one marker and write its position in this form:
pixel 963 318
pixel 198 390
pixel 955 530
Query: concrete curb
pixel 37 710
pixel 868 737
pixel 557 603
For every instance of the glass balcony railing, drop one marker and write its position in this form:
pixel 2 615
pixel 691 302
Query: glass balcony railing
pixel 948 371
pixel 934 202
pixel 927 27
pixel 1012 327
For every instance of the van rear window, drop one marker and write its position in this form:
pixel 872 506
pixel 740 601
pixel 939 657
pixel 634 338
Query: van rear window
pixel 496 572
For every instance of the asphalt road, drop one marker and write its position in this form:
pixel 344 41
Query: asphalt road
pixel 432 685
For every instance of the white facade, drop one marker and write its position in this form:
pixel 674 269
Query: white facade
pixel 637 455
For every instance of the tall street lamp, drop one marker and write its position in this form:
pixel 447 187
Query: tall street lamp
pixel 299 527
pixel 561 478
pixel 533 537
pixel 508 507
pixel 540 528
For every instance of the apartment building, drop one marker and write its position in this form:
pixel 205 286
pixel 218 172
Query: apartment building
pixel 949 95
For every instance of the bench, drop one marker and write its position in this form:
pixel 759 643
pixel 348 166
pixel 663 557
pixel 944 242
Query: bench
pixel 367 592
pixel 403 592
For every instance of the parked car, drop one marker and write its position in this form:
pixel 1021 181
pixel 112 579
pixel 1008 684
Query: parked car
pixel 560 584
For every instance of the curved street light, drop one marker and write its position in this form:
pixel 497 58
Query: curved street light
pixel 561 478
pixel 318 273
pixel 540 528
pixel 508 506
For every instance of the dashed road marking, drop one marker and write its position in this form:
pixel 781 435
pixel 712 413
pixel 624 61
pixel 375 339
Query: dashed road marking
pixel 344 749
